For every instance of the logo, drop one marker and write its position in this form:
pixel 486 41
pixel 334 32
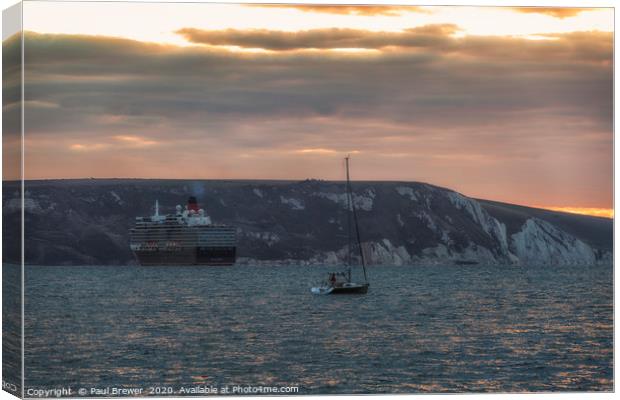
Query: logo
pixel 11 387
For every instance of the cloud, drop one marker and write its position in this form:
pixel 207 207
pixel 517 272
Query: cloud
pixel 593 46
pixel 135 140
pixel 368 10
pixel 556 12
pixel 320 151
pixel 498 117
pixel 330 38
pixel 88 147
pixel 116 142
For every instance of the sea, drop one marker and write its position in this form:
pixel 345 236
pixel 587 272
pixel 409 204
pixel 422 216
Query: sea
pixel 457 329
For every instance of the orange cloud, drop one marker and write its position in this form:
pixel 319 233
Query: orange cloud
pixel 324 151
pixel 316 151
pixel 119 141
pixel 135 140
pixel 386 11
pixel 596 212
pixel 87 147
pixel 557 12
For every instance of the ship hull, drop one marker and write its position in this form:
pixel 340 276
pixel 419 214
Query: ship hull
pixel 206 256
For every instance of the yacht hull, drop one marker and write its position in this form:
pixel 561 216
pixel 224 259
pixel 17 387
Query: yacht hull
pixel 348 288
pixel 351 289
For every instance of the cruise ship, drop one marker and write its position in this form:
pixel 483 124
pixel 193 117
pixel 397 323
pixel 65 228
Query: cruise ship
pixel 187 237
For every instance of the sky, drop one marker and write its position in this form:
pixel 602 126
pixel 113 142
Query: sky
pixel 509 104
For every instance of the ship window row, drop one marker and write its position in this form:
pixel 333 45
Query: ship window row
pixel 182 237
pixel 182 233
pixel 184 240
pixel 146 232
pixel 182 226
pixel 184 245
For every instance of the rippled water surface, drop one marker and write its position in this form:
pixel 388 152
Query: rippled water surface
pixel 435 328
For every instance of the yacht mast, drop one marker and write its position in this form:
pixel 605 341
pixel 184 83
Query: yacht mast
pixel 357 229
pixel 349 206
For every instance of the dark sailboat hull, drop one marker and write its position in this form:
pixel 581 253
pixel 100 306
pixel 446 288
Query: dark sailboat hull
pixel 351 289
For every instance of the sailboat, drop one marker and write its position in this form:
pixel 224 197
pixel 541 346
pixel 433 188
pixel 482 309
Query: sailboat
pixel 340 282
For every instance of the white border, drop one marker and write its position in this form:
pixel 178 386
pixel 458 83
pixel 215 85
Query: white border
pixel 504 3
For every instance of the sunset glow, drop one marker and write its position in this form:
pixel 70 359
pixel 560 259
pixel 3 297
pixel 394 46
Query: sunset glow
pixel 596 212
pixel 159 22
